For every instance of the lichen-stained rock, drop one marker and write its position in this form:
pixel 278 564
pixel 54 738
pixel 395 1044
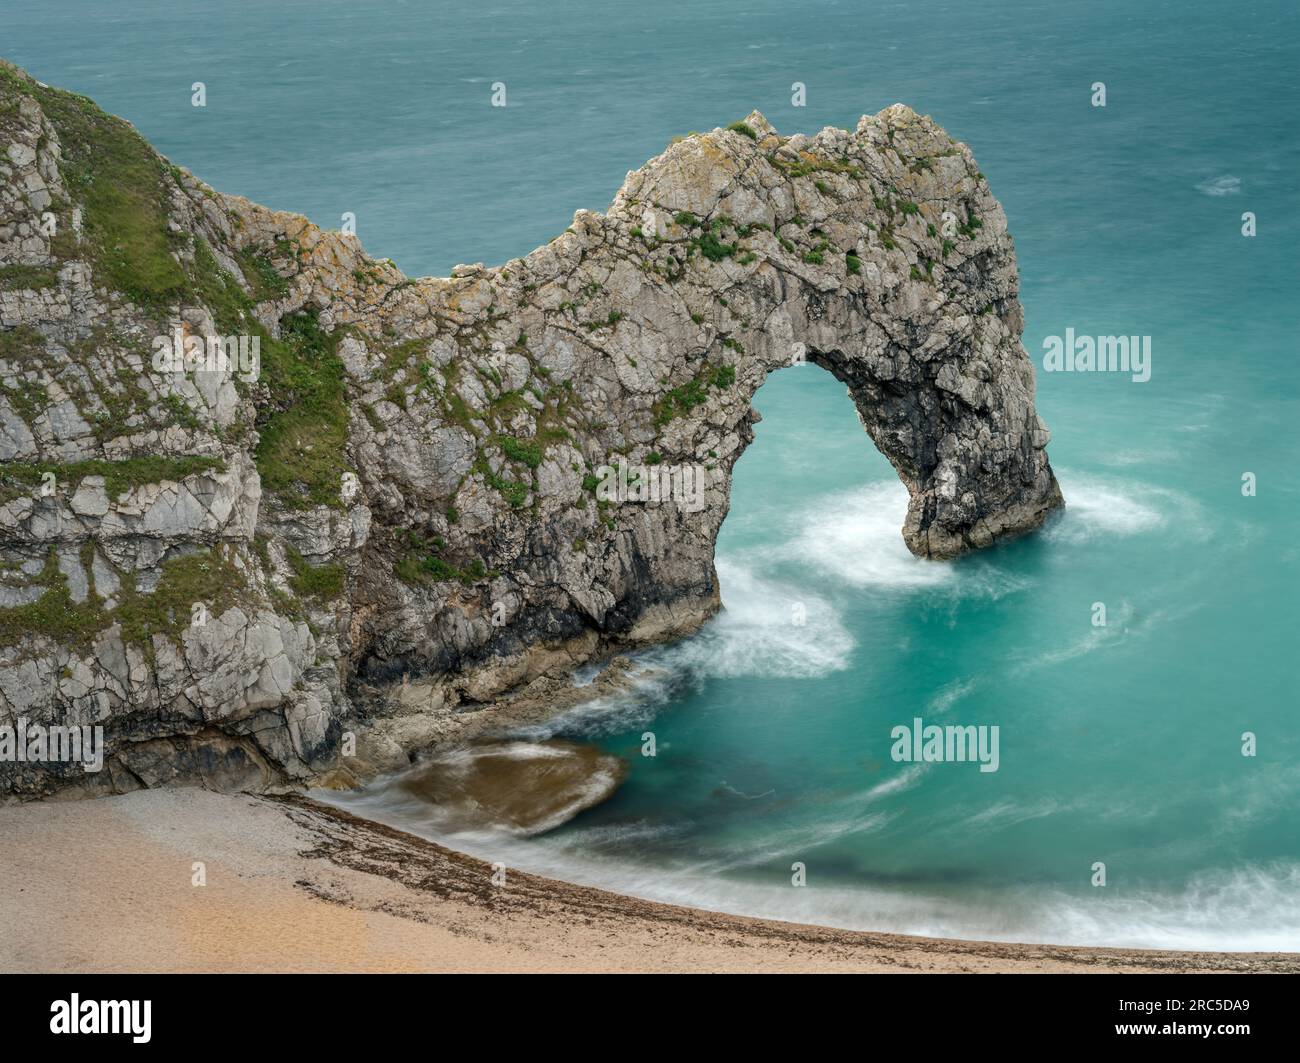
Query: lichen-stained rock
pixel 257 488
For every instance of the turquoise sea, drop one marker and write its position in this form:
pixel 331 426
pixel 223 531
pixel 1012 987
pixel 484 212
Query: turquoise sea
pixel 1119 744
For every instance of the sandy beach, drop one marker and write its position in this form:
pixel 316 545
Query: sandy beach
pixel 291 885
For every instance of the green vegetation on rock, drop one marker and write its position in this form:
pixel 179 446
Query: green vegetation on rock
pixel 262 276
pixel 207 576
pixel 119 476
pixel 323 582
pixel 695 392
pixel 304 433
pixel 19 278
pixel 54 614
pixel 423 563
pixel 122 182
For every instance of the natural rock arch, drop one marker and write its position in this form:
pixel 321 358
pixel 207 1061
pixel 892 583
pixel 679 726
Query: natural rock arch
pixel 406 492
pixel 732 253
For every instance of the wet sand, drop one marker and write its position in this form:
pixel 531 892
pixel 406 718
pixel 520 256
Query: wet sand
pixel 291 885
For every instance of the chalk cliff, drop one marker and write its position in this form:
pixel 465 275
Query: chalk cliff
pixel 234 568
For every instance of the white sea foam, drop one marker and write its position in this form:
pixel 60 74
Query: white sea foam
pixel 856 538
pixel 852 541
pixel 952 693
pixel 756 634
pixel 1250 909
pixel 843 817
pixel 1098 508
pixel 904 780
pixel 1123 624
pixel 797 838
pixel 1267 791
pixel 616 836
pixel 1009 813
pixel 1119 623
pixel 648 689
pixel 1226 185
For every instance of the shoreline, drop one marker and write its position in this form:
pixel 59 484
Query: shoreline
pixel 294 885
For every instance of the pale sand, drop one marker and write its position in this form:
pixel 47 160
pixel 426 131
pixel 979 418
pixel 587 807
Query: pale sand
pixel 105 885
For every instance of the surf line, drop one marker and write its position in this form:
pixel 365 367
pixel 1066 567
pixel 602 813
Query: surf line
pixel 922 743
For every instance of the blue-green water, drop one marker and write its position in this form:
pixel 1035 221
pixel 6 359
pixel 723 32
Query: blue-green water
pixel 1119 744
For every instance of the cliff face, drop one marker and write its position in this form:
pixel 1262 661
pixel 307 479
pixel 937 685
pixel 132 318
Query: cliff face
pixel 232 566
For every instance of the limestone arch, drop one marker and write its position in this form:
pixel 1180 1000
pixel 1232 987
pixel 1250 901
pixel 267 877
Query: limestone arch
pixel 881 251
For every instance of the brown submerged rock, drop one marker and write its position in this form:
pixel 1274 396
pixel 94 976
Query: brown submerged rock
pixel 521 786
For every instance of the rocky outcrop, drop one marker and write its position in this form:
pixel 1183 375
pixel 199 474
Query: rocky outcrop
pixel 357 481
